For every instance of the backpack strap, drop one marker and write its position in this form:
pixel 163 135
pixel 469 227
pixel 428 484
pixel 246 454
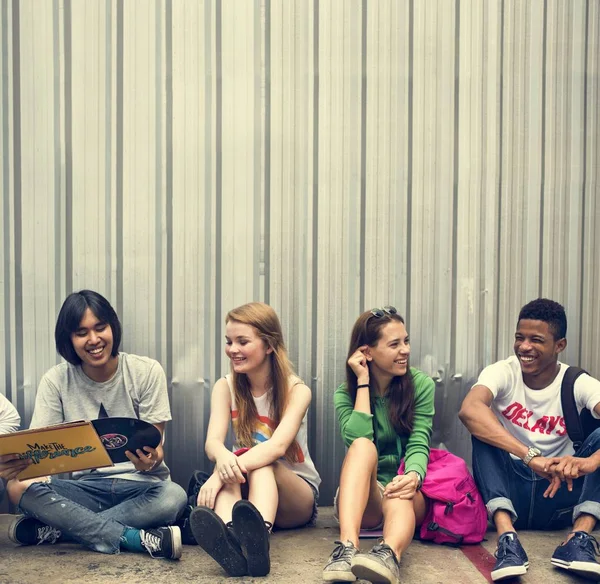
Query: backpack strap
pixel 569 406
pixel 433 526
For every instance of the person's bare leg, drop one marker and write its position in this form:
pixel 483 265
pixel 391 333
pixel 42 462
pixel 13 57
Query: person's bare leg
pixel 226 499
pixel 359 498
pixel 296 498
pixel 585 523
pixel 262 492
pixel 503 522
pixel 358 505
pixel 16 488
pixel 401 517
pixel 214 536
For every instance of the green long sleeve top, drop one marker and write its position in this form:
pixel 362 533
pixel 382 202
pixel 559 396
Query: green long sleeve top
pixel 391 448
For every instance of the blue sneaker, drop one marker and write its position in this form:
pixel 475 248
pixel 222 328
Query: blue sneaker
pixel 511 559
pixel 578 555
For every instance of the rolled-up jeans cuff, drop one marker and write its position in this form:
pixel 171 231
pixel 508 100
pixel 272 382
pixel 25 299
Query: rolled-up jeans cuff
pixel 501 504
pixel 589 507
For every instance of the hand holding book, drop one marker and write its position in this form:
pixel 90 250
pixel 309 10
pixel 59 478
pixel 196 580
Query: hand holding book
pixel 78 446
pixel 11 465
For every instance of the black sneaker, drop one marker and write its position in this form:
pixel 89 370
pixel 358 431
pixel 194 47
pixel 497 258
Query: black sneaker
pixel 187 536
pixel 578 555
pixel 162 542
pixel 30 531
pixel 511 559
pixel 379 566
pixel 338 566
pixel 253 533
pixel 218 541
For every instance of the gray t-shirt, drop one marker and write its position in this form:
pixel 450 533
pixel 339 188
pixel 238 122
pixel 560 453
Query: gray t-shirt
pixel 138 389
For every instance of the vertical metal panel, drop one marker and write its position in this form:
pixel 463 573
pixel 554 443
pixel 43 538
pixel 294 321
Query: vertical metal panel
pixel 327 157
pixel 523 68
pixel 432 221
pixel 238 243
pixel 5 251
pixel 479 192
pixel 590 308
pixel 563 177
pixel 340 35
pixel 36 233
pixel 193 219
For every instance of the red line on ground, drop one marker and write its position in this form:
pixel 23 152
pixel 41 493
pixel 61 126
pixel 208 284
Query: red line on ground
pixel 483 561
pixel 480 558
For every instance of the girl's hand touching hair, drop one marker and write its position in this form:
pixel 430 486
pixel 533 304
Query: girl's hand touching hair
pixel 358 364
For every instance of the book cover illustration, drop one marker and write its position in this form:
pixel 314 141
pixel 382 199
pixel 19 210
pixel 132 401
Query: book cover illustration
pixel 57 449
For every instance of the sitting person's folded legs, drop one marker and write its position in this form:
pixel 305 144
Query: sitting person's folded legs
pixel 526 464
pixel 130 505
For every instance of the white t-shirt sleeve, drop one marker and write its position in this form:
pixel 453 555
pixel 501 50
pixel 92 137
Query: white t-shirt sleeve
pixel 154 399
pixel 497 378
pixel 587 393
pixel 48 408
pixel 9 417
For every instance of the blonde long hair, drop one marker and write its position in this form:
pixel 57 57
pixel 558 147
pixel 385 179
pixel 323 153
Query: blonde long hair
pixel 264 320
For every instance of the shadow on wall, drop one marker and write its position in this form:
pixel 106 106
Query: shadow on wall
pixel 448 431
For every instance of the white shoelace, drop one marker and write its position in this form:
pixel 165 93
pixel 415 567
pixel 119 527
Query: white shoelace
pixel 47 533
pixel 151 542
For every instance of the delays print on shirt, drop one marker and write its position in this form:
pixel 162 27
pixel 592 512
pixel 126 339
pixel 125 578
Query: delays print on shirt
pixel 520 416
pixel 535 416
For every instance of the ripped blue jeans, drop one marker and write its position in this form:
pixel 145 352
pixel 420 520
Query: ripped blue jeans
pixel 95 511
pixel 510 485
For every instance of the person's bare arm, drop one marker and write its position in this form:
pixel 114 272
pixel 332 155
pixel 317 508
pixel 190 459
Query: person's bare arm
pixel 228 466
pixel 479 419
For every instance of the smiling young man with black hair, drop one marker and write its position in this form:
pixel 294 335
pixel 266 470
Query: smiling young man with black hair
pixel 522 454
pixel 128 506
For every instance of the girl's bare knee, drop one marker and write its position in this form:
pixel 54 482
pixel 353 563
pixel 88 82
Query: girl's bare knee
pixel 263 471
pixel 233 488
pixel 363 447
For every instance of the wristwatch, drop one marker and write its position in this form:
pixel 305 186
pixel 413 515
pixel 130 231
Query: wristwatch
pixel 419 477
pixel 531 453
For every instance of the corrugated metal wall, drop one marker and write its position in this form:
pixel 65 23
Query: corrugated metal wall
pixel 185 157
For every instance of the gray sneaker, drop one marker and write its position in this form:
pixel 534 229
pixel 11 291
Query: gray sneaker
pixel 379 566
pixel 338 566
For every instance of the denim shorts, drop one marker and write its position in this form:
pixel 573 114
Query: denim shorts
pixel 315 512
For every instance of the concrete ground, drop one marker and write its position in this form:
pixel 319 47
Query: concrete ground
pixel 297 556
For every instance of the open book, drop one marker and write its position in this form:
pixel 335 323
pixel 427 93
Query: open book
pixel 79 445
pixel 55 449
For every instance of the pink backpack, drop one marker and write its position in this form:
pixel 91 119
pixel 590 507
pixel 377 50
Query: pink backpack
pixel 456 513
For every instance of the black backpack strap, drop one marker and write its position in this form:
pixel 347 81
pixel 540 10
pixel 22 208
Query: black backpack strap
pixel 569 406
pixel 433 526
